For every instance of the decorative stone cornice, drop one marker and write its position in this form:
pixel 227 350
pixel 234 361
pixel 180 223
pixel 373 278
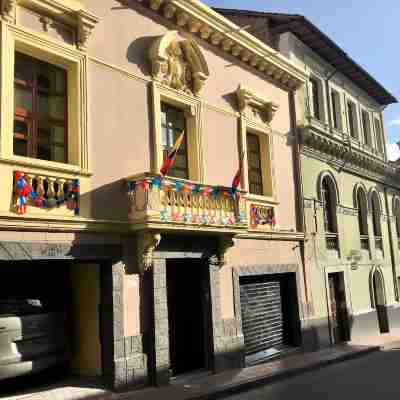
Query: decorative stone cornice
pixel 69 12
pixel 352 163
pixel 8 8
pixel 343 151
pixel 249 102
pixel 86 24
pixel 199 19
pixel 147 243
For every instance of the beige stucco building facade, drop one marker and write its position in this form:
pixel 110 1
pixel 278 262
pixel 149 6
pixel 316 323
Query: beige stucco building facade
pixel 349 189
pixel 165 275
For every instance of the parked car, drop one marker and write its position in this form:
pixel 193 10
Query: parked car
pixel 31 339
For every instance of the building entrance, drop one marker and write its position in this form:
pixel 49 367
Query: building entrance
pixel 338 311
pixel 186 315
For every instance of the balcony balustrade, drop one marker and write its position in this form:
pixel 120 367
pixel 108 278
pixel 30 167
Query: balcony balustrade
pixel 378 243
pixel 332 242
pixel 172 203
pixel 45 192
pixel 364 242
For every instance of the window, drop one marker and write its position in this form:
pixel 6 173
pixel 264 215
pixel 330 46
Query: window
pixel 376 214
pixel 352 116
pixel 315 90
pixel 336 110
pixel 254 164
pixel 173 123
pixel 396 213
pixel 362 212
pixel 366 127
pixel 378 134
pixel 329 203
pixel 40 110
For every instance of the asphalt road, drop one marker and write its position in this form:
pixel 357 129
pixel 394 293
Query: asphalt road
pixel 365 378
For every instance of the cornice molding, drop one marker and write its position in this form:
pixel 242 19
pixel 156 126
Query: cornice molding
pixel 201 20
pixel 346 157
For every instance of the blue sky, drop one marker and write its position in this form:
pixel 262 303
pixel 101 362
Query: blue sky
pixel 368 30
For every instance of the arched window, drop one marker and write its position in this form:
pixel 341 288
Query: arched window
pixel 328 194
pixel 362 211
pixel 361 204
pixel 396 213
pixel 376 214
pixel 376 220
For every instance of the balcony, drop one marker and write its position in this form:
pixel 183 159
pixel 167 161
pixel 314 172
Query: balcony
pixel 332 244
pixel 176 204
pixel 364 242
pixel 379 247
pixel 38 193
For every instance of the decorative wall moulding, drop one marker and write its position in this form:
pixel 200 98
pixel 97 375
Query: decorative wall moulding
pixel 255 106
pixel 349 156
pixel 69 12
pixel 178 63
pixel 201 20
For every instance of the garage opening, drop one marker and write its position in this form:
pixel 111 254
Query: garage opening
pixel 270 316
pixel 49 322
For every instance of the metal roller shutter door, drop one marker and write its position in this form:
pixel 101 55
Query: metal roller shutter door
pixel 262 318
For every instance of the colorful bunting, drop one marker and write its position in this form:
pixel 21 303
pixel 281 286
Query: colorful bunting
pixel 24 192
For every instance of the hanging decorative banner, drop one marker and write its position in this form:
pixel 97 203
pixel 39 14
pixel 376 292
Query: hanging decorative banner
pixel 262 215
pixel 24 192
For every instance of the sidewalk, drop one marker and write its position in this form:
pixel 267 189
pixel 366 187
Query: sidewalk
pixel 209 386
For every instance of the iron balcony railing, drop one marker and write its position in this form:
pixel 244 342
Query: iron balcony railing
pixel 332 241
pixel 364 242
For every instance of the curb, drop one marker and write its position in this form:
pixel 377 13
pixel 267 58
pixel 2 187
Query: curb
pixel 278 376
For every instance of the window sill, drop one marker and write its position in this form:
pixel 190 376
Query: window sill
pixel 48 166
pixel 262 199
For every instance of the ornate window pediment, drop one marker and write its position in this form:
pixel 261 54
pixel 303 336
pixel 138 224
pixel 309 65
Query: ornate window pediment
pixel 72 12
pixel 179 63
pixel 256 107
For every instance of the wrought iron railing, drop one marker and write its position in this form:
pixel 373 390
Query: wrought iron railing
pixel 364 239
pixel 332 241
pixel 378 243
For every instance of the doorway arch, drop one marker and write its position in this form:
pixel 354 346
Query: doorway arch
pixel 378 298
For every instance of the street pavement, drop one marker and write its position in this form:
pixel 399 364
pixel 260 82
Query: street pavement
pixel 365 378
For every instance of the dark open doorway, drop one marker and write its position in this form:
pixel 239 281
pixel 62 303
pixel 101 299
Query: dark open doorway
pixel 187 316
pixel 339 322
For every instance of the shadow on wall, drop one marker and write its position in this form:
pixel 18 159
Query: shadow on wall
pixel 317 334
pixel 106 202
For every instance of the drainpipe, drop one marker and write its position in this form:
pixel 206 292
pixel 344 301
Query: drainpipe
pixel 300 219
pixel 391 238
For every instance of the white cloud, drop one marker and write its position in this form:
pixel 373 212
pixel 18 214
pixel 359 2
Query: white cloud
pixel 393 152
pixel 394 122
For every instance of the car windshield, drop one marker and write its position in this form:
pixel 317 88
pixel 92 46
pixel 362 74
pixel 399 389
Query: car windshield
pixel 20 307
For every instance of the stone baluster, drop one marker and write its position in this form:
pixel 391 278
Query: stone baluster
pixel 50 188
pixel 40 186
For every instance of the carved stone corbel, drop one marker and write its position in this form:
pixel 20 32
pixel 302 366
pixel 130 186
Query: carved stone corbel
pixel 224 244
pixel 271 109
pixel 86 24
pixel 147 243
pixel 8 8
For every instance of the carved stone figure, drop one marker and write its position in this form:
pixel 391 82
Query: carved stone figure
pixel 178 63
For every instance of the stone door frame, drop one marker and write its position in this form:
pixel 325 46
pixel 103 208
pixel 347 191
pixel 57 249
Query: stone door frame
pixel 160 360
